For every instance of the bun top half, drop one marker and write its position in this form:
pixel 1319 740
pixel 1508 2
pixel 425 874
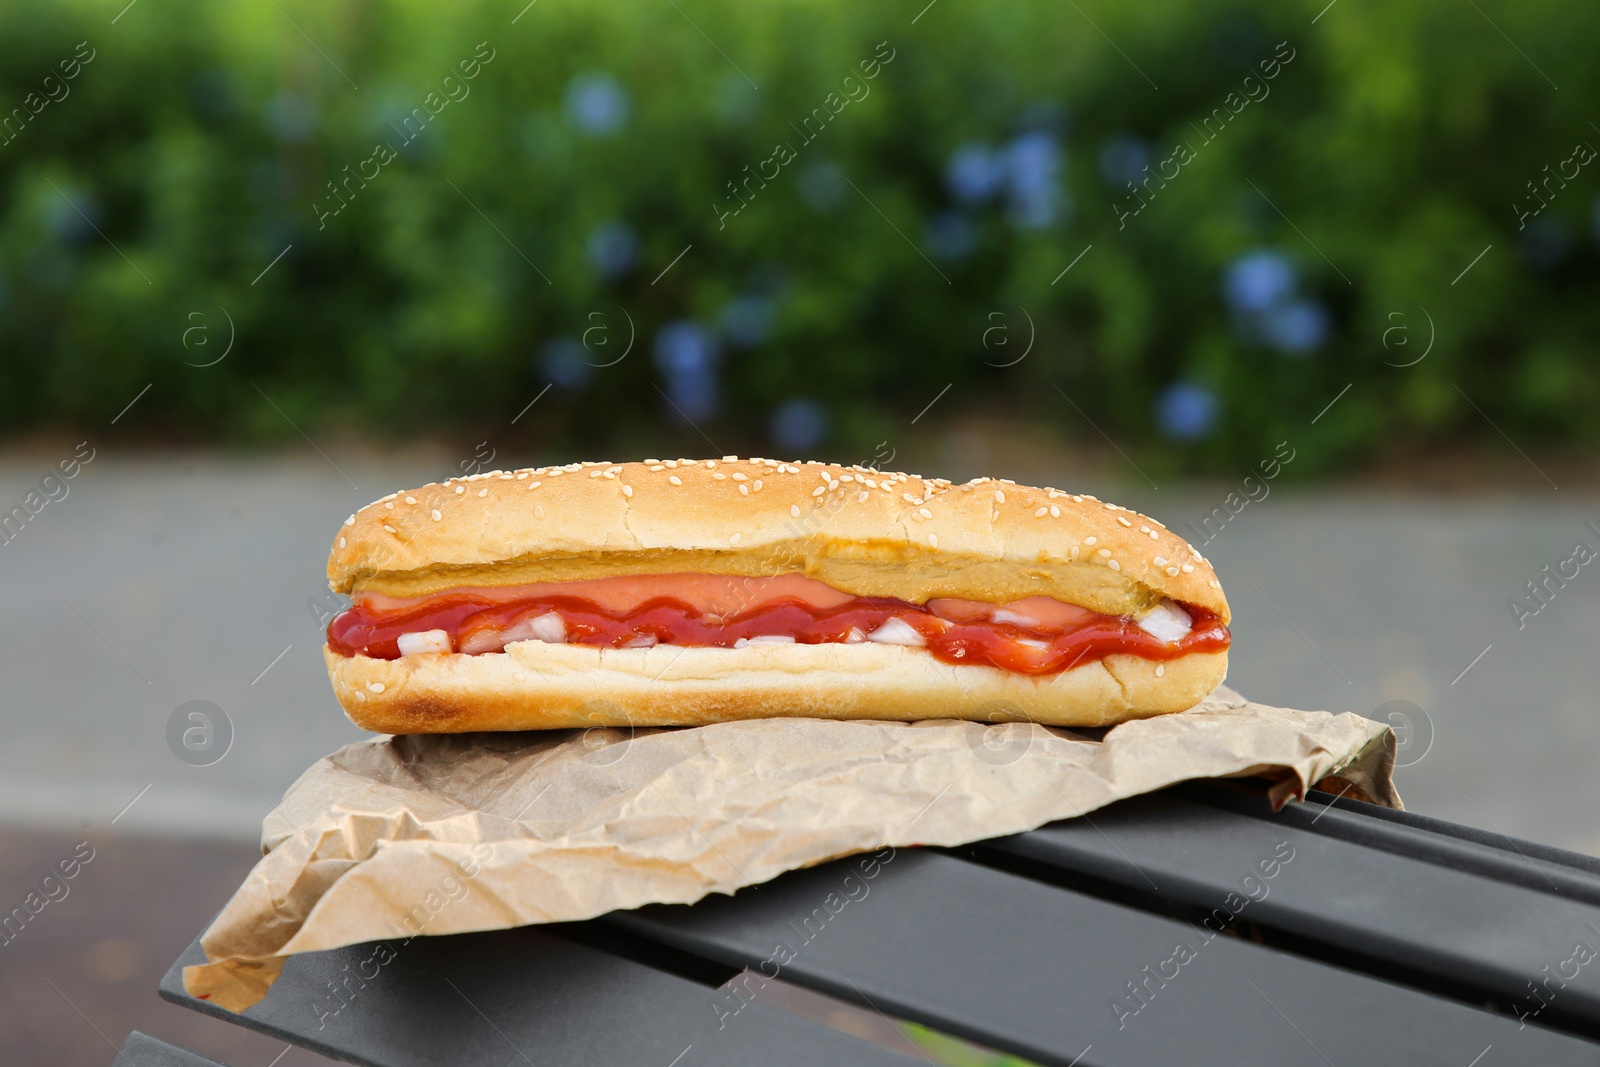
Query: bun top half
pixel 863 531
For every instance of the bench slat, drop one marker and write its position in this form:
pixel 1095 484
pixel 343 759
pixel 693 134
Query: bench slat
pixel 1038 970
pixel 1467 930
pixel 515 997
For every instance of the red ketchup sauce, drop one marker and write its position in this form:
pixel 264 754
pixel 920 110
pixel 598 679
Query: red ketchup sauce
pixel 665 620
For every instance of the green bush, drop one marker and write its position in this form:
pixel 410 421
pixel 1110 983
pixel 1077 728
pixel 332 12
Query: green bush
pixel 928 221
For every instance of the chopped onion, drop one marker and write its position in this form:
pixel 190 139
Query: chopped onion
pixel 855 636
pixel 487 639
pixel 772 639
pixel 1031 642
pixel 641 641
pixel 424 641
pixel 1166 622
pixel 1013 617
pixel 547 628
pixel 896 632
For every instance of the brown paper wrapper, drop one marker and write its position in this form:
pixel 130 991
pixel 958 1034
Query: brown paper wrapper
pixel 443 834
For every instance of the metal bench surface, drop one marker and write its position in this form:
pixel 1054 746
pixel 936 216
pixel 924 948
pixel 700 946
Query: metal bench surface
pixel 1193 926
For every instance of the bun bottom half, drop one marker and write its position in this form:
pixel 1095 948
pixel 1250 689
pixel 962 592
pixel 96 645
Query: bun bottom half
pixel 538 686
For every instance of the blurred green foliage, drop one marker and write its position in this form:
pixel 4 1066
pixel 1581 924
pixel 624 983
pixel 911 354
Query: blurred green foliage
pixel 928 222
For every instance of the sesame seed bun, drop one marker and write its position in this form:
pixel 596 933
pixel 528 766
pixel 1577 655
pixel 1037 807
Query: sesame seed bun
pixel 861 531
pixel 537 686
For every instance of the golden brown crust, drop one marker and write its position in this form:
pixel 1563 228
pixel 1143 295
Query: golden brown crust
pixel 859 530
pixel 536 686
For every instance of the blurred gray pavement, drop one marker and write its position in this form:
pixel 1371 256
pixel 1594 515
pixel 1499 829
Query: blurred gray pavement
pixel 171 578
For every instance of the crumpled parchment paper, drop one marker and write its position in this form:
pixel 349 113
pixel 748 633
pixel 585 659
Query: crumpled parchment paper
pixel 442 834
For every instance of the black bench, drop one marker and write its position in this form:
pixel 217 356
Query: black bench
pixel 1193 926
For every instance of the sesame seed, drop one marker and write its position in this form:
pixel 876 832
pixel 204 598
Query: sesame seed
pixel 833 485
pixel 522 476
pixel 671 463
pixel 933 540
pixel 730 459
pixel 386 526
pixel 711 464
pixel 627 490
pixel 734 539
pixel 1144 529
pixel 756 485
pixel 825 476
pixel 1161 561
pixel 609 474
pixel 483 492
pixel 411 500
pixel 1187 568
pixel 389 504
pixel 1000 495
pixel 534 485
pixel 658 467
pixel 1104 553
pixel 437 514
pixel 1161 668
pixel 819 490
pixel 739 477
pixel 351 521
pixel 1072 553
pixel 847 477
pixel 719 476
pixel 376 687
pixel 1154 536
pixel 463 489
pixel 1172 572
pixel 907 498
pixel 794 511
pixel 1125 522
pixel 1041 513
pixel 596 474
pixel 1055 512
pixel 1091 540
pixel 674 479
pixel 870 483
pixel 862 499
pixel 744 490
pixel 341 542
pixel 1114 565
pixel 925 513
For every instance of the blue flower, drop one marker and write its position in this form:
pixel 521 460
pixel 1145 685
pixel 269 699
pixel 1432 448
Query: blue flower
pixel 1123 159
pixel 611 248
pixel 1258 280
pixel 292 116
pixel 1545 242
pixel 974 173
pixel 597 104
pixel 746 320
pixel 799 425
pixel 1033 164
pixel 562 360
pixel 1186 411
pixel 822 186
pixel 950 235
pixel 1295 328
pixel 63 216
pixel 687 354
